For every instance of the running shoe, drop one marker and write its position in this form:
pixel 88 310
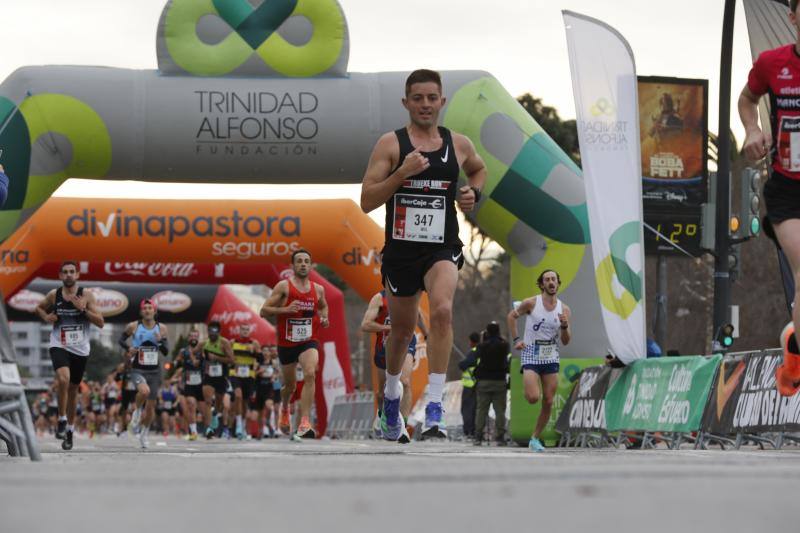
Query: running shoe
pixel 391 422
pixel 285 420
pixel 61 430
pixel 787 375
pixel 239 433
pixel 226 433
pixel 535 445
pixel 193 436
pixel 404 438
pixel 376 425
pixel 209 433
pixel 304 430
pixel 215 422
pixel 66 444
pixel 434 427
pixel 143 441
pixel 136 418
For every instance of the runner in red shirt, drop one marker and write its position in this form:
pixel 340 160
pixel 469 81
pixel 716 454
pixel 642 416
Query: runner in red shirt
pixel 300 307
pixel 777 73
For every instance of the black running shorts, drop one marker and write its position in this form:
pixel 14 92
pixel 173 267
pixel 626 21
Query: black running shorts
pixel 404 275
pixel 219 384
pixel 288 355
pixel 782 198
pixel 246 384
pixel 76 363
pixel 193 391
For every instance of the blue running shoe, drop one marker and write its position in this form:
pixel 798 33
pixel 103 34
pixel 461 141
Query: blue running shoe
pixel 535 445
pixel 226 433
pixel 391 421
pixel 434 427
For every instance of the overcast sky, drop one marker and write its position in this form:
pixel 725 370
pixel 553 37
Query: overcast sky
pixel 521 42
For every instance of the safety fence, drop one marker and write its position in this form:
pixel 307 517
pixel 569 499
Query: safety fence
pixel 352 416
pixel 728 401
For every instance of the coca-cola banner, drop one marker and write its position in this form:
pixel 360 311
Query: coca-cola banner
pixel 119 302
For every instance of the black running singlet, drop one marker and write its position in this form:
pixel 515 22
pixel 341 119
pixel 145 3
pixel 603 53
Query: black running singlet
pixel 421 214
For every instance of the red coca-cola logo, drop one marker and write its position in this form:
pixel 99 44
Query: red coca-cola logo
pixel 108 302
pixel 171 301
pixel 26 301
pixel 286 273
pixel 153 270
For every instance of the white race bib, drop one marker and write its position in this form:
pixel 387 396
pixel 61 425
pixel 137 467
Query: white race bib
pixel 419 218
pixel 167 405
pixel 215 370
pixel 545 350
pixel 242 371
pixel 789 143
pixel 72 335
pixel 148 355
pixel 298 329
pixel 130 385
pixel 194 378
pixel 268 371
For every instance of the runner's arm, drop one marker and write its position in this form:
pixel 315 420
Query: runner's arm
pixel 274 304
pixel 525 307
pixel 322 306
pixel 228 351
pixel 126 333
pixel 368 324
pixel 475 169
pixel 94 316
pixel 566 332
pixel 380 183
pixel 163 343
pixel 44 307
pixel 756 143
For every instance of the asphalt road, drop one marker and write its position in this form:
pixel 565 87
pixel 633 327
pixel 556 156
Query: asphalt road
pixel 109 485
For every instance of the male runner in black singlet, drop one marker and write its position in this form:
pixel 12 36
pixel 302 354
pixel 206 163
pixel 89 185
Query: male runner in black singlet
pixel 414 172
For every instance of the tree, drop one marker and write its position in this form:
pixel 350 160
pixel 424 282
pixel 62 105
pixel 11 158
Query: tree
pixel 563 132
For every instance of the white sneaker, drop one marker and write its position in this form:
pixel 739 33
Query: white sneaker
pixel 143 442
pixel 136 418
pixel 376 427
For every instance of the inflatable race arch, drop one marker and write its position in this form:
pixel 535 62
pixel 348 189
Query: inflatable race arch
pixel 263 94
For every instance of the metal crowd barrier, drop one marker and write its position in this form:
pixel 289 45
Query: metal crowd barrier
pixel 352 416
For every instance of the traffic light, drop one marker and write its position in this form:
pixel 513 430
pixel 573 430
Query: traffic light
pixel 734 261
pixel 750 203
pixel 724 337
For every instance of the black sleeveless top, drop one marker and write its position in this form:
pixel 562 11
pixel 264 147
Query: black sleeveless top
pixel 421 214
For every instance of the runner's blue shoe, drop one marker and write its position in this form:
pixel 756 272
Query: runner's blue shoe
pixel 535 445
pixel 434 427
pixel 391 421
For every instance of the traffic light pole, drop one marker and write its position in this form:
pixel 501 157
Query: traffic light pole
pixel 722 280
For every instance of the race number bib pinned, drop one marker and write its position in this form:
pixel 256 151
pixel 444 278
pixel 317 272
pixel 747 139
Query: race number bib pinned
pixel 148 355
pixel 298 329
pixel 545 350
pixel 72 335
pixel 789 143
pixel 194 378
pixel 419 218
pixel 242 371
pixel 215 370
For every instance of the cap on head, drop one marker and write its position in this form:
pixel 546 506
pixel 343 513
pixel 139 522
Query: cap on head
pixel 493 329
pixel 147 301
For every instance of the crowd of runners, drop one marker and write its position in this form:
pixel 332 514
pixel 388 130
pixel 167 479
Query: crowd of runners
pixel 106 408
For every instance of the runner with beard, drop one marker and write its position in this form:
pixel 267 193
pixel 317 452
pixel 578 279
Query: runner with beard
pixel 546 326
pixel 300 307
pixel 70 310
pixel 217 358
pixel 414 172
pixel 246 352
pixel 149 338
pixel 189 363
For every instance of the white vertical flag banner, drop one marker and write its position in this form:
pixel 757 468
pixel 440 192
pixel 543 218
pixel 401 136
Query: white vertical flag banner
pixel 607 108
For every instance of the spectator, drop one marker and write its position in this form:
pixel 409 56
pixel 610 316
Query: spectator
pixel 468 397
pixel 491 375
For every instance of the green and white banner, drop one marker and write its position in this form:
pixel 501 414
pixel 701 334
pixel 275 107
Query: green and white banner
pixel 663 394
pixel 605 89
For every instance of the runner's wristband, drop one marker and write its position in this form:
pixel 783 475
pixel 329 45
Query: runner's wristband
pixel 516 339
pixel 564 327
pixel 477 192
